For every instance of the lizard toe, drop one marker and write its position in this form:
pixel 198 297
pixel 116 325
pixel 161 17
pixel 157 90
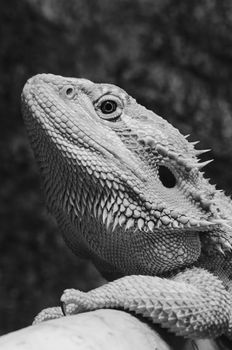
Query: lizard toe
pixel 50 313
pixel 73 302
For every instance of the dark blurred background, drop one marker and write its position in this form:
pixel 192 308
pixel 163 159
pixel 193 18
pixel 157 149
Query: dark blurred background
pixel 173 56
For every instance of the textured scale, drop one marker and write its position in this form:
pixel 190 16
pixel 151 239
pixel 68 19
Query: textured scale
pixel 127 191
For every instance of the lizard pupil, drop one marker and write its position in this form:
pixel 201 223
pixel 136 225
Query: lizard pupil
pixel 108 106
pixel 166 177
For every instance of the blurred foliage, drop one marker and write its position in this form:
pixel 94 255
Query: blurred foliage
pixel 173 56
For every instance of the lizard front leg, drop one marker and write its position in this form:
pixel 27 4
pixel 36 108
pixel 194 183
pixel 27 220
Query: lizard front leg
pixel 193 304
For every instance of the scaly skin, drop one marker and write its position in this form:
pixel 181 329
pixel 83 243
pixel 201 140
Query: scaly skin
pixel 101 157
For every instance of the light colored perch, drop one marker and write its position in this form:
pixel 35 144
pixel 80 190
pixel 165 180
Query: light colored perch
pixel 96 330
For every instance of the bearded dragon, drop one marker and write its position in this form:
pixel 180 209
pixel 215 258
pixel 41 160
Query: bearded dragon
pixel 128 193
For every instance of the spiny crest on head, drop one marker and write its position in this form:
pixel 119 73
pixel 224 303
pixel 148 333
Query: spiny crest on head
pixel 188 161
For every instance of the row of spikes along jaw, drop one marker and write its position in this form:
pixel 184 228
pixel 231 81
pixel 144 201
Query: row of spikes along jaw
pixel 118 202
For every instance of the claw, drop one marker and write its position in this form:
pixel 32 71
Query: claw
pixel 62 306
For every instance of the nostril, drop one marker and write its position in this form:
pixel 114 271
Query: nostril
pixel 69 91
pixel 166 177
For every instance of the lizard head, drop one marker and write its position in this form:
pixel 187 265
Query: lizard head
pixel 123 180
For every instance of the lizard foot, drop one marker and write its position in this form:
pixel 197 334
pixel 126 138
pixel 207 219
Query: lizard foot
pixel 50 313
pixel 74 301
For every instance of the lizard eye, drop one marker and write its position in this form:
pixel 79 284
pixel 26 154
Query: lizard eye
pixel 109 107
